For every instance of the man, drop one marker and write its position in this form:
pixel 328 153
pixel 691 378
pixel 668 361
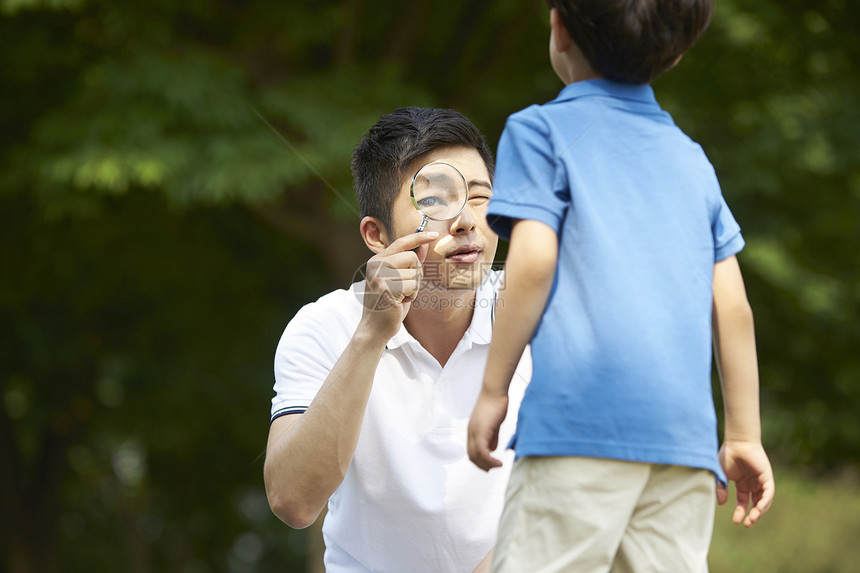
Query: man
pixel 375 384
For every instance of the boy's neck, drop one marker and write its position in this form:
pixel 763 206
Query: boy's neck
pixel 585 75
pixel 572 67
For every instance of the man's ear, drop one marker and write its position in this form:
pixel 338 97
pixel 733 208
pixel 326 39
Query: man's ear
pixel 374 234
pixel 560 36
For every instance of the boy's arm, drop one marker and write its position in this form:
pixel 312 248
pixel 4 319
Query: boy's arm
pixel 529 275
pixel 484 565
pixel 742 456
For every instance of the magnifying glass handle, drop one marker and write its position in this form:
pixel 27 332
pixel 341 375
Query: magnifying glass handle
pixel 419 229
pixel 422 225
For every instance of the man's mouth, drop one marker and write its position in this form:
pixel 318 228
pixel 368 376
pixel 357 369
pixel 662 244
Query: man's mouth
pixel 466 254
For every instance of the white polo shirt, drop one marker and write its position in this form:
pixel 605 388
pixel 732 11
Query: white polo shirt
pixel 411 499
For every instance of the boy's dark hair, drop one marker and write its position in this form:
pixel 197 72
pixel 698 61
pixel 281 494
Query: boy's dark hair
pixel 633 41
pixel 385 153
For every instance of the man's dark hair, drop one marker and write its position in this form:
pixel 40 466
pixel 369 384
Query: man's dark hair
pixel 633 41
pixel 383 156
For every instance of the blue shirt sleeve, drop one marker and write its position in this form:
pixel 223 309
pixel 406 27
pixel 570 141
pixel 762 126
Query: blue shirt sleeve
pixel 728 240
pixel 526 184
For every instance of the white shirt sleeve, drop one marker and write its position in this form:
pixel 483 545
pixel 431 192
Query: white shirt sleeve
pixel 310 345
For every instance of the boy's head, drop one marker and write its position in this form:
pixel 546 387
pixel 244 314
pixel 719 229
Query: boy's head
pixel 383 156
pixel 633 41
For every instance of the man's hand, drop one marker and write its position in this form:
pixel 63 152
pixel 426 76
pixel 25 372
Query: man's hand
pixel 393 279
pixel 487 417
pixel 746 464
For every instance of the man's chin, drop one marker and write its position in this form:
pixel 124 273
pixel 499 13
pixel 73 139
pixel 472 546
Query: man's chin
pixel 466 277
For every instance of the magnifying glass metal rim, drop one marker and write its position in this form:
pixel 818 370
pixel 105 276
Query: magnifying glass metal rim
pixel 425 215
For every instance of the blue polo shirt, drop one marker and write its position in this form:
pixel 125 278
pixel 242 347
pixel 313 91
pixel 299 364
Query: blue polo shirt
pixel 622 355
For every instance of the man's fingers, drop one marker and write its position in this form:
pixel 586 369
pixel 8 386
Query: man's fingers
pixel 400 260
pixel 384 273
pixel 392 293
pixel 410 242
pixel 422 251
pixel 392 278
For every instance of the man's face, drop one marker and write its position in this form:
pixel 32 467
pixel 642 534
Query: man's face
pixel 462 255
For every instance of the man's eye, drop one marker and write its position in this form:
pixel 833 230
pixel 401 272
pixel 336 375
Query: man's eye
pixel 478 199
pixel 430 202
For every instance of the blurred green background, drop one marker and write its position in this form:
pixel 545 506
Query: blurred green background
pixel 156 236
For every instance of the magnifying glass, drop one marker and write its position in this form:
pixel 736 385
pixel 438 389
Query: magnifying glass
pixel 439 191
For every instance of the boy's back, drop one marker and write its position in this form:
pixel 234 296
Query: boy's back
pixel 623 350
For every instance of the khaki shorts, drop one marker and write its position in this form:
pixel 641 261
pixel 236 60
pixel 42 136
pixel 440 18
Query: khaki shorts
pixel 587 515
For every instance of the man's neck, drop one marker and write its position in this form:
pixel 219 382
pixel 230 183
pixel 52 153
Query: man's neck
pixel 438 319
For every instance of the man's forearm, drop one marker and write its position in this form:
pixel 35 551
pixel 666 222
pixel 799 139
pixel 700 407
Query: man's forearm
pixel 307 456
pixel 529 274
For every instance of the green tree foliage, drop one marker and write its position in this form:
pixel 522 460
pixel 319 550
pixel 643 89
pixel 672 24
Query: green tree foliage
pixel 174 183
pixel 136 350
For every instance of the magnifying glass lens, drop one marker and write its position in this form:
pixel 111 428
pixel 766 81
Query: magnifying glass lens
pixel 439 191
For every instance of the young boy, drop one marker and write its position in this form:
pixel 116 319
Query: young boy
pixel 621 265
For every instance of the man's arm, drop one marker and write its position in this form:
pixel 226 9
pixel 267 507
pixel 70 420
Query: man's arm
pixel 742 456
pixel 529 274
pixel 308 455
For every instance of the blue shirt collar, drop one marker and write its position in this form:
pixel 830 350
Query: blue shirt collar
pixel 603 87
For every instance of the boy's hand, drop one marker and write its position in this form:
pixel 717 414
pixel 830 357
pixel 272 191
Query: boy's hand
pixel 746 464
pixel 487 418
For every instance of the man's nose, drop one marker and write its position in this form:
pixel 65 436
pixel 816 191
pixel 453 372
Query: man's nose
pixel 464 222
